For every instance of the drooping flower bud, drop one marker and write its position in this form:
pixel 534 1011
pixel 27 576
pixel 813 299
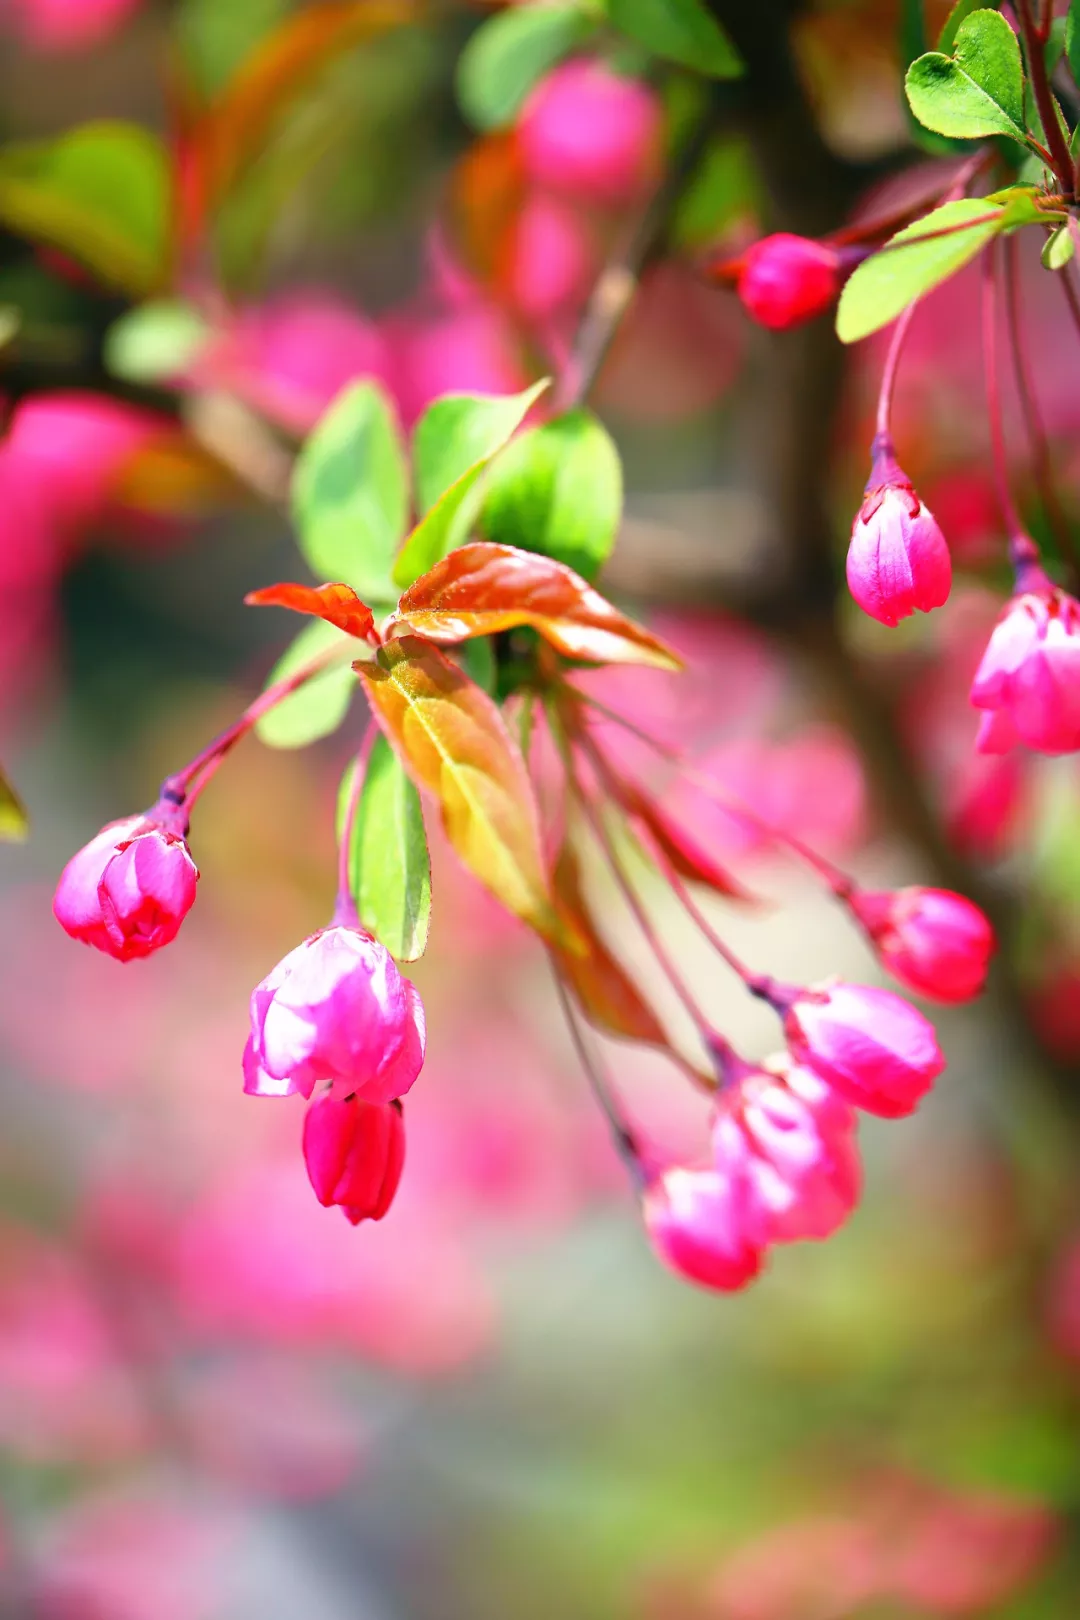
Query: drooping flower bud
pixel 337 1009
pixel 129 889
pixel 1028 683
pixel 354 1152
pixel 875 1048
pixel 935 942
pixel 793 1138
pixel 703 1226
pixel 898 559
pixel 784 280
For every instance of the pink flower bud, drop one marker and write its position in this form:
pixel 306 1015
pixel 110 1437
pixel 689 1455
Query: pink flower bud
pixel 793 1139
pixel 128 890
pixel 354 1152
pixel 591 133
pixel 898 559
pixel 935 942
pixel 702 1225
pixel 873 1046
pixel 785 280
pixel 1029 679
pixel 336 1008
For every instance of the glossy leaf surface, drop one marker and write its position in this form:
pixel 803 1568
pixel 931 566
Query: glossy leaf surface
pixel 455 441
pixel 319 706
pixel 389 865
pixel 558 490
pixel 913 261
pixel 482 588
pixel 350 492
pixel 976 91
pixel 453 741
pixel 337 604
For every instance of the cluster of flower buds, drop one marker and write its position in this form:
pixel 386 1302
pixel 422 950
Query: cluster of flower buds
pixel 786 1163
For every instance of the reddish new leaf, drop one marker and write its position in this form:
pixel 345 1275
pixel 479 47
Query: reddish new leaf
pixel 453 742
pixel 607 995
pixel 337 604
pixel 677 845
pixel 482 588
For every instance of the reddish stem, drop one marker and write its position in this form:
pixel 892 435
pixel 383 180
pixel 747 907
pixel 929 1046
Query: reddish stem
pixel 623 1136
pixel 183 788
pixel 1020 543
pixel 1034 39
pixel 888 376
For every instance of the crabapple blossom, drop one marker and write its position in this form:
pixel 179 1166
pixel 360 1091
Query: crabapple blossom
pixel 129 889
pixel 354 1152
pixel 793 1139
pixel 898 559
pixel 1028 682
pixel 872 1045
pixel 591 133
pixel 703 1225
pixel 336 1008
pixel 784 280
pixel 935 942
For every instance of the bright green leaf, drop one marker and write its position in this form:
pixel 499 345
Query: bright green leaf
pixel 350 492
pixel 319 706
pixel 1072 38
pixel 913 261
pixel 951 26
pixel 558 490
pixel 478 661
pixel 682 31
pixel 977 91
pixel 389 866
pixel 155 341
pixel 99 192
pixel 14 822
pixel 1058 249
pixel 509 53
pixel 454 442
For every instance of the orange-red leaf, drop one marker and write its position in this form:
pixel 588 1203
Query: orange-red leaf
pixel 678 846
pixel 482 588
pixel 454 743
pixel 607 995
pixel 337 604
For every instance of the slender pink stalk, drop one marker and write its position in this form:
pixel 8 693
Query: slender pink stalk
pixel 1034 40
pixel 185 786
pixel 1022 549
pixel 345 905
pixel 623 1136
pixel 888 376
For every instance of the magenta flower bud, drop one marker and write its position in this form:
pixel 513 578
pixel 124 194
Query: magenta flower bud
pixel 337 1009
pixel 898 559
pixel 784 280
pixel 129 889
pixel 874 1047
pixel 354 1152
pixel 591 133
pixel 793 1138
pixel 702 1225
pixel 935 942
pixel 1028 682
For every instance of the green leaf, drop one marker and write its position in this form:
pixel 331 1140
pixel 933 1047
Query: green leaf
pixel 558 490
pixel 725 188
pixel 101 193
pixel 951 26
pixel 509 53
pixel 913 40
pixel 389 866
pixel 977 91
pixel 350 493
pixel 14 822
pixel 478 661
pixel 155 341
pixel 1058 249
pixel 1072 38
pixel 912 262
pixel 455 440
pixel 319 706
pixel 680 31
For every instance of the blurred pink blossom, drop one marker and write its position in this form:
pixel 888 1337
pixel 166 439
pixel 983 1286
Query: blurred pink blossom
pixel 592 133
pixel 66 25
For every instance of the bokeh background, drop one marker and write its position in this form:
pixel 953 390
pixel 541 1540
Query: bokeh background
pixel 219 1401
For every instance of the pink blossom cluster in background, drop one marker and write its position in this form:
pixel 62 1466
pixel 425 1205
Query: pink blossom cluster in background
pixel 64 25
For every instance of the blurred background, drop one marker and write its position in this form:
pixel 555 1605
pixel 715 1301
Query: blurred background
pixel 219 1401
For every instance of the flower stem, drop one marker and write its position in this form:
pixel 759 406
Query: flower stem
pixel 1034 39
pixel 1022 549
pixel 185 786
pixel 623 1137
pixel 888 376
